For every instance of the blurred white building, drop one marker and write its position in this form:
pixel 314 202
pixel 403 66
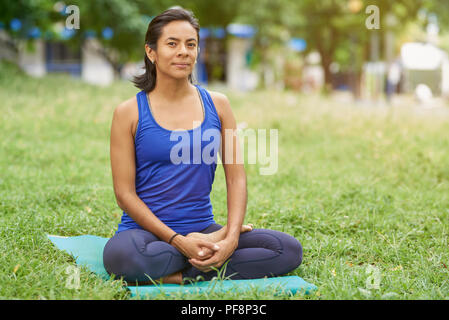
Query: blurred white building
pixel 425 63
pixel 43 57
pixel 239 75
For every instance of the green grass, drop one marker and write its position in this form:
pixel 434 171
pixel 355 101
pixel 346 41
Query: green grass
pixel 357 186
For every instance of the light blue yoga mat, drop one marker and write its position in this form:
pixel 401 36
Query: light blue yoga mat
pixel 88 252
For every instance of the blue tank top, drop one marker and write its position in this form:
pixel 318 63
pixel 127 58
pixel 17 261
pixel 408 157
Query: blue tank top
pixel 175 169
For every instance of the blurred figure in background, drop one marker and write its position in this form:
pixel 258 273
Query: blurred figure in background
pixel 393 78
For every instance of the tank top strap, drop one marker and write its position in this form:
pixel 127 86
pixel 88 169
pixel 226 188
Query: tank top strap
pixel 209 106
pixel 140 96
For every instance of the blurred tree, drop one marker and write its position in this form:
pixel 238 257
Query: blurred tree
pixel 273 21
pixel 117 24
pixel 213 13
pixel 334 28
pixel 19 17
pixel 438 7
pixel 126 21
pixel 337 30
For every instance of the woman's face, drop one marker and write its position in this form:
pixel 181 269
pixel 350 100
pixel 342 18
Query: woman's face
pixel 176 50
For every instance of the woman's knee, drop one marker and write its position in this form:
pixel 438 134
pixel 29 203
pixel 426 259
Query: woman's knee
pixel 289 249
pixel 292 252
pixel 122 258
pixel 117 255
pixel 135 256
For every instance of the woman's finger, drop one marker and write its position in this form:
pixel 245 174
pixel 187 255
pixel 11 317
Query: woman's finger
pixel 206 253
pixel 202 263
pixel 210 245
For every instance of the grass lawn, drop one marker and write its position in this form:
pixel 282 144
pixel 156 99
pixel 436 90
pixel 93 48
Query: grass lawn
pixel 365 190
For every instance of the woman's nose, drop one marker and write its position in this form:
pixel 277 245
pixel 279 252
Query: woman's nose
pixel 182 50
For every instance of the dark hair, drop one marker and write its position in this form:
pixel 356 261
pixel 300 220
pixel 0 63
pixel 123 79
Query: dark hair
pixel 147 81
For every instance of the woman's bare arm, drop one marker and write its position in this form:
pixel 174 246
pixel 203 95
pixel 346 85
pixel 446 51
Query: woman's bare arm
pixel 235 185
pixel 124 172
pixel 233 167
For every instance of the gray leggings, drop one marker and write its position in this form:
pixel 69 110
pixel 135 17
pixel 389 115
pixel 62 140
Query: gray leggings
pixel 137 254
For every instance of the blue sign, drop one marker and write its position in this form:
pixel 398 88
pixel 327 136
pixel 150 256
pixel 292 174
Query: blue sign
pixel 218 33
pixel 15 24
pixel 204 33
pixel 297 44
pixel 67 33
pixel 34 33
pixel 107 33
pixel 241 30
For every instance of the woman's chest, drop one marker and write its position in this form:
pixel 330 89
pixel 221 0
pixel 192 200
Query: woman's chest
pixel 197 146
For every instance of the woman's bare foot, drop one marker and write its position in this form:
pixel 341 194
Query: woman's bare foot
pixel 175 278
pixel 219 234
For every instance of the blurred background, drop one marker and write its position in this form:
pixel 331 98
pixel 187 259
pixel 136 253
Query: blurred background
pixel 368 51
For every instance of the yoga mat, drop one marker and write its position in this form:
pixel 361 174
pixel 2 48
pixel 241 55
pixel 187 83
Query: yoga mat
pixel 88 251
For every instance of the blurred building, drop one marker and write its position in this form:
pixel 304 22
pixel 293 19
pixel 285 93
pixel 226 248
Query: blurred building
pixel 312 73
pixel 222 59
pixel 58 57
pixel 425 63
pixel 225 57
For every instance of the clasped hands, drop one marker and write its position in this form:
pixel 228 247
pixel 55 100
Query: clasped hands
pixel 204 254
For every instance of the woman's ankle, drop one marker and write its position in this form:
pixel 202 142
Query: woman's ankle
pixel 174 278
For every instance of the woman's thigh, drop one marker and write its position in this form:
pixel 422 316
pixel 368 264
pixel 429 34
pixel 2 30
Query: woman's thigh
pixel 260 253
pixel 265 252
pixel 273 240
pixel 138 255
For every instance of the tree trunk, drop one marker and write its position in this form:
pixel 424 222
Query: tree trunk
pixel 326 51
pixel 325 64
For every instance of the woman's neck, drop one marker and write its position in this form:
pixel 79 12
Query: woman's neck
pixel 173 89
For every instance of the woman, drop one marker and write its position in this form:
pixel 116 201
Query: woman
pixel 167 231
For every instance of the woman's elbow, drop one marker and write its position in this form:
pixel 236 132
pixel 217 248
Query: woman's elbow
pixel 121 199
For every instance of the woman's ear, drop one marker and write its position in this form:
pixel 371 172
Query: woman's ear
pixel 149 53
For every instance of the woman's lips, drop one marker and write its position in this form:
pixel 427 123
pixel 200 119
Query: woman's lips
pixel 182 65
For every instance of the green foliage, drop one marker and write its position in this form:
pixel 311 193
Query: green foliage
pixel 32 12
pixel 124 18
pixel 329 26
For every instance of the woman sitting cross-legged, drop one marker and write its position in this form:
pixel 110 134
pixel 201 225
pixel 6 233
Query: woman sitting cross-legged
pixel 163 168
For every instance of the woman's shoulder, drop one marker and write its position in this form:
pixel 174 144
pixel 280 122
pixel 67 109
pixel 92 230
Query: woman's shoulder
pixel 127 113
pixel 127 105
pixel 217 96
pixel 221 102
